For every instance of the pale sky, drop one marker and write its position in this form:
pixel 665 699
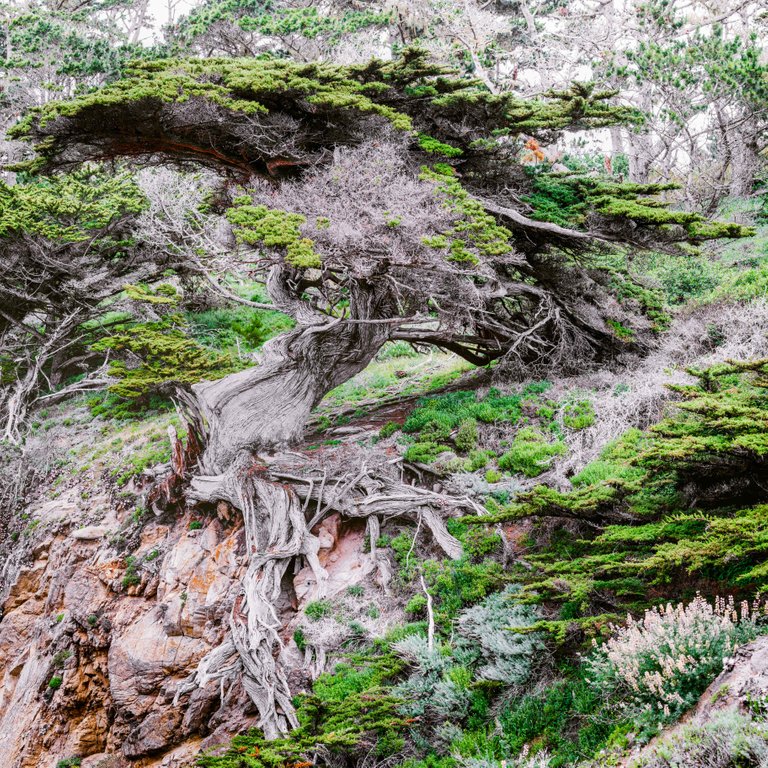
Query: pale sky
pixel 162 10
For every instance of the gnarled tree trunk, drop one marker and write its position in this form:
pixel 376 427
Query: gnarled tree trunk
pixel 266 407
pixel 247 417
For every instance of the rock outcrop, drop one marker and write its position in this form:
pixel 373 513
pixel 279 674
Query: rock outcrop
pixel 97 635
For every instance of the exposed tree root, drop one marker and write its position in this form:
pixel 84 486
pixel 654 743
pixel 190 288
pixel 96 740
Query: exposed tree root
pixel 281 502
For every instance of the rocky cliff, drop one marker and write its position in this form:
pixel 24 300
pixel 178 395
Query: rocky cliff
pixel 97 631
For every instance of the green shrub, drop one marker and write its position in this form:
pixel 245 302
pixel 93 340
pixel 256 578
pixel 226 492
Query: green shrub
pixel 453 408
pixel 69 762
pixel 394 350
pixel 466 437
pixel 195 525
pixel 530 453
pixel 60 658
pixel 416 606
pixel 565 718
pixel 388 429
pixel 55 682
pixel 450 683
pixel 239 328
pixel 579 415
pixel 131 577
pixel 493 476
pixel 682 277
pixel 731 738
pixel 317 609
pixel 167 353
pixel 456 584
pixel 138 460
pixel 424 453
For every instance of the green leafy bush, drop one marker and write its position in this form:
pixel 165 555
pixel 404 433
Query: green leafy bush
pixel 530 453
pixel 240 328
pixel 318 609
pixel 425 453
pixel 445 681
pixel 69 762
pixel 466 437
pixel 168 355
pixel 677 501
pixel 579 415
pixel 131 577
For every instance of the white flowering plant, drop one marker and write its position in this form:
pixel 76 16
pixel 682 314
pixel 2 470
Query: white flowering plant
pixel 657 667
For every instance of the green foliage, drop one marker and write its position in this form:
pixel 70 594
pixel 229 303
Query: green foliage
pixel 697 69
pixel 466 437
pixel 195 525
pixel 682 277
pixel 388 429
pixel 134 463
pixel 55 683
pixel 131 577
pixel 620 330
pixel 555 200
pixel 449 411
pixel 425 452
pixel 399 91
pixel 737 739
pixel 579 414
pixel 396 349
pixel 566 198
pixel 69 762
pixel 258 225
pixel 276 21
pixel 68 208
pixel 656 668
pixel 434 147
pixel 232 328
pixel 676 504
pixel 456 584
pixel 60 658
pixel 451 682
pixel 531 452
pixel 416 607
pixel 350 712
pixel 477 235
pixel 566 718
pixel 493 476
pixel 629 291
pixel 476 542
pixel 169 357
pixel 318 609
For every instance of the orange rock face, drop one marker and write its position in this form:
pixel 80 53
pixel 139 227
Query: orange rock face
pixel 90 659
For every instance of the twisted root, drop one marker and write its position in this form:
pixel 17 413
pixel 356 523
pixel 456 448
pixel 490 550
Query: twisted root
pixel 278 526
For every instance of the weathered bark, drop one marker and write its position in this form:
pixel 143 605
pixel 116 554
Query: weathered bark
pixel 278 520
pixel 266 407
